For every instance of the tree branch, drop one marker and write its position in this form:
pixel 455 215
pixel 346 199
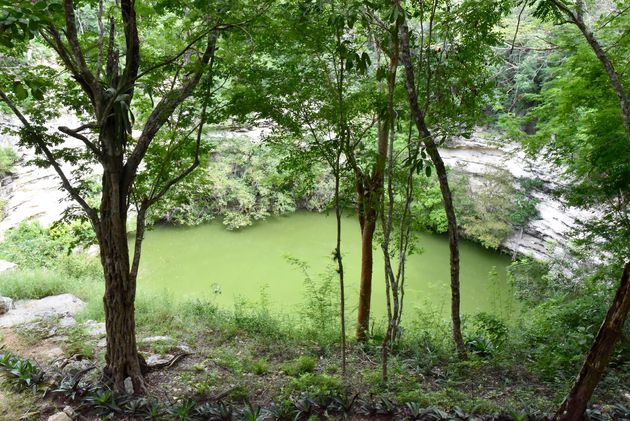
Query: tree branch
pixel 164 109
pixel 132 55
pixel 74 193
pixel 73 40
pixel 89 144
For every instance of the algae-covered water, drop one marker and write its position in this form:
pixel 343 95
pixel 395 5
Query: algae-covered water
pixel 252 265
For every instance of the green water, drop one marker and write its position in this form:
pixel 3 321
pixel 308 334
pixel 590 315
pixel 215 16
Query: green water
pixel 232 266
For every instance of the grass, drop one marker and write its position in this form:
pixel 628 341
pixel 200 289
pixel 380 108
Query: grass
pixel 266 356
pixel 17 406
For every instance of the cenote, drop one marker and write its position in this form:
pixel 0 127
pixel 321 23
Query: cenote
pixel 252 265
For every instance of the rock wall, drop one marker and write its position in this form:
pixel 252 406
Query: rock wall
pixel 31 192
pixel 483 154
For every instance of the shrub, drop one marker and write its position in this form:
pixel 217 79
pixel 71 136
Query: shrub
pixel 301 365
pixel 30 245
pixel 485 334
pixel 317 386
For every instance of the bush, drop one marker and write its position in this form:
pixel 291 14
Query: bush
pixel 30 245
pixel 560 332
pixel 317 386
pixel 529 279
pixel 485 334
pixel 243 182
pixel 299 366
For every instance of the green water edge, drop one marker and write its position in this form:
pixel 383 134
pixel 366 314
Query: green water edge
pixel 251 266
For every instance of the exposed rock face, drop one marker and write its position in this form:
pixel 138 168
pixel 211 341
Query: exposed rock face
pixel 26 311
pixel 33 193
pixel 480 156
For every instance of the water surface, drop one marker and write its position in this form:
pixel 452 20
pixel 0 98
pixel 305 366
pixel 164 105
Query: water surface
pixel 232 266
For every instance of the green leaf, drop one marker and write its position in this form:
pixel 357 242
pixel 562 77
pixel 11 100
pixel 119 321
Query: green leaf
pixel 20 91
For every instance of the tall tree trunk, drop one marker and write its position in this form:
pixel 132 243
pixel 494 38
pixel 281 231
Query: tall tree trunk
pixel 597 359
pixel 440 169
pixel 370 199
pixel 367 263
pixel 121 357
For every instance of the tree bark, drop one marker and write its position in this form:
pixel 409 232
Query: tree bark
pixel 440 169
pixel 370 199
pixel 121 358
pixel 574 405
pixel 367 263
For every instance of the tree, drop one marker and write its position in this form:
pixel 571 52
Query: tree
pixel 121 59
pixel 318 90
pixel 445 82
pixel 586 130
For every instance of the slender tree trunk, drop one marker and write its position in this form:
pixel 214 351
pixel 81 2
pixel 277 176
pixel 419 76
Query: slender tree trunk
pixel 121 356
pixel 597 359
pixel 453 243
pixel 367 263
pixel 339 260
pixel 370 201
pixel 440 169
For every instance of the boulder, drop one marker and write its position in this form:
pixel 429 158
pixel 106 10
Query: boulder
pixel 153 339
pixel 6 304
pixel 26 311
pixel 158 360
pixel 67 321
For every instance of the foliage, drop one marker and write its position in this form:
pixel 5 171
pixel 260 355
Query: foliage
pixel 530 280
pixel 242 182
pixel 30 245
pixel 22 373
pixel 301 365
pixel 485 333
pixel 580 129
pixel 319 312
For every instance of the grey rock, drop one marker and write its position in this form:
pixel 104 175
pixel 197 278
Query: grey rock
pixel 102 343
pixel 480 156
pixel 128 386
pixel 183 348
pixel 67 321
pixel 59 416
pixel 153 339
pixel 27 311
pixel 69 411
pixel 153 360
pixel 94 328
pixel 6 304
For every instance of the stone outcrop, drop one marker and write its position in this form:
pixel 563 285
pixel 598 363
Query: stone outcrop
pixel 5 265
pixel 479 156
pixel 31 192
